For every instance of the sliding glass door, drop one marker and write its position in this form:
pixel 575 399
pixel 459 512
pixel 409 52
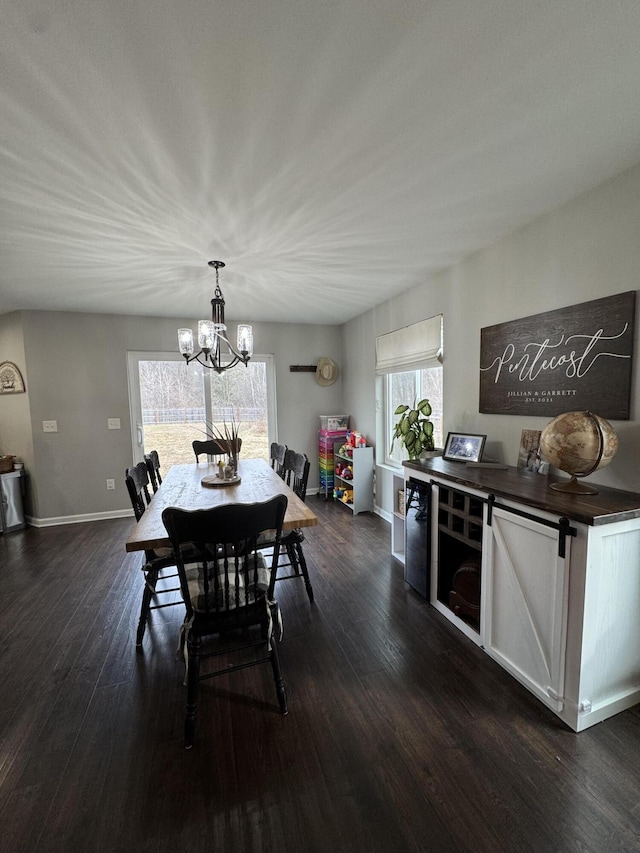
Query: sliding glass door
pixel 173 403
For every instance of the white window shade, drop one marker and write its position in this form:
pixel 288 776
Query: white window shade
pixel 412 348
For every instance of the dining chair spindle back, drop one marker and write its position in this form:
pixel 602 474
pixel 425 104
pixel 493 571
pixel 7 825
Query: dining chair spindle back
pixel 159 565
pixel 292 555
pixel 213 447
pixel 277 456
pixel 152 461
pixel 228 591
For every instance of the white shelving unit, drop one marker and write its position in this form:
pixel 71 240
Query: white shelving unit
pixel 361 463
pixel 398 521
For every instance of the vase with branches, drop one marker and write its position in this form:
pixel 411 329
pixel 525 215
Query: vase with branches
pixel 227 437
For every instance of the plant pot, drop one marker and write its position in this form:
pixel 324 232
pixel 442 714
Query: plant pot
pixel 431 454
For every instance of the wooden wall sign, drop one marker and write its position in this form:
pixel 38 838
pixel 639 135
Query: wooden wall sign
pixel 561 361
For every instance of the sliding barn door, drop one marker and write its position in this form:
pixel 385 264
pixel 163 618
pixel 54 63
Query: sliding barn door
pixel 525 606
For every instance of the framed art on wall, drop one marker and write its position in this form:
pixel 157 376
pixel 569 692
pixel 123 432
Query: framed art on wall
pixel 11 381
pixel 573 358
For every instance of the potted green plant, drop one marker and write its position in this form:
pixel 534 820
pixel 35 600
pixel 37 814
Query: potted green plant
pixel 414 429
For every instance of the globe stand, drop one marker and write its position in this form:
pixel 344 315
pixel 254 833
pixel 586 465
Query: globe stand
pixel 573 487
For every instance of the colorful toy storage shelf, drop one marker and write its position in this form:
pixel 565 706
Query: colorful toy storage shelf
pixel 327 438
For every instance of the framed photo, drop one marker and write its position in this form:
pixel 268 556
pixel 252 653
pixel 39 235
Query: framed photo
pixel 530 457
pixel 462 447
pixel 529 452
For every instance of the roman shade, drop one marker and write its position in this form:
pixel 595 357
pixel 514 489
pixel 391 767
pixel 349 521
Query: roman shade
pixel 412 348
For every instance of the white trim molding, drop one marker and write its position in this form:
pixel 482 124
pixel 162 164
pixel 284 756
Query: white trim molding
pixel 78 519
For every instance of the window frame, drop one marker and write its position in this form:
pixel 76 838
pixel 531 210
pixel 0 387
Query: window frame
pixel 390 420
pixel 135 406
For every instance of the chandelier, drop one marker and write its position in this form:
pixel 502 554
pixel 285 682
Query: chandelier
pixel 212 334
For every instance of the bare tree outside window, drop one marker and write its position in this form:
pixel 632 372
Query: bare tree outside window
pixel 174 411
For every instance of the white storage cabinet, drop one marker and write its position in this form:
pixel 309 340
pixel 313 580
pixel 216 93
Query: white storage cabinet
pixel 559 598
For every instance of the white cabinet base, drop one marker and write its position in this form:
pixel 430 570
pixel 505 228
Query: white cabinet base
pixel 561 613
pixel 603 630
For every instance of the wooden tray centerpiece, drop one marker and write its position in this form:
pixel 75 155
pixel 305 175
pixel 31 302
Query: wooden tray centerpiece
pixel 213 481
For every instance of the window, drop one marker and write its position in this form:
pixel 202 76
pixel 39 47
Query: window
pixel 171 403
pixel 409 360
pixel 241 394
pixel 409 387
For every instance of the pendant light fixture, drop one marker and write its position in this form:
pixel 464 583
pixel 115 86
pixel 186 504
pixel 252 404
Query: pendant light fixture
pixel 212 336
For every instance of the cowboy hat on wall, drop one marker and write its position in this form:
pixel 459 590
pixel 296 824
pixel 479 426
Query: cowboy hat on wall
pixel 326 371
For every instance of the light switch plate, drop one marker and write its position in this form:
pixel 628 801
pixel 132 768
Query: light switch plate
pixel 49 426
pixel 113 423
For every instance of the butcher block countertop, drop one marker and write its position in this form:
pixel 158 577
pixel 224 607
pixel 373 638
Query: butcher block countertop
pixel 608 506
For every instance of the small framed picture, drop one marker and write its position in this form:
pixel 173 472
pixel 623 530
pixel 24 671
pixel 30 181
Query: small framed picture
pixel 530 457
pixel 529 452
pixel 462 447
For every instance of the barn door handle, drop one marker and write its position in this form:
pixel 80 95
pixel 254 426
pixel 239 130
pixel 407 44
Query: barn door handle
pixel 490 502
pixel 563 531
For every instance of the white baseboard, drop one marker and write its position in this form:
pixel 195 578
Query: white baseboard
pixel 383 513
pixel 32 521
pixel 387 516
pixel 78 519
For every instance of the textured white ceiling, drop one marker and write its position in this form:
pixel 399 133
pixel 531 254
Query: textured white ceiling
pixel 331 152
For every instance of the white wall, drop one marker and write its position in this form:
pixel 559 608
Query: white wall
pixel 76 363
pixel 15 423
pixel 584 250
pixel 76 366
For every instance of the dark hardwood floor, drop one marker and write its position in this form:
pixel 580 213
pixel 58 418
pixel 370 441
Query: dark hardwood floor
pixel 402 735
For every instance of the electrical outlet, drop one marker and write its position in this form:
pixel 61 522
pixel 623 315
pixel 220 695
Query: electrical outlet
pixel 111 485
pixel 49 426
pixel 113 423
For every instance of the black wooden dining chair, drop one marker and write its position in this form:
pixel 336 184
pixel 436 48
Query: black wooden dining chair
pixel 228 593
pixel 212 447
pixel 276 456
pixel 288 465
pixel 159 565
pixel 291 551
pixel 152 461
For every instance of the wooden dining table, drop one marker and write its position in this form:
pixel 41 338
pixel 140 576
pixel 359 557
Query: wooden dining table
pixel 182 487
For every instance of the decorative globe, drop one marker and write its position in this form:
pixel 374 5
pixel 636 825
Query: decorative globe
pixel 578 443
